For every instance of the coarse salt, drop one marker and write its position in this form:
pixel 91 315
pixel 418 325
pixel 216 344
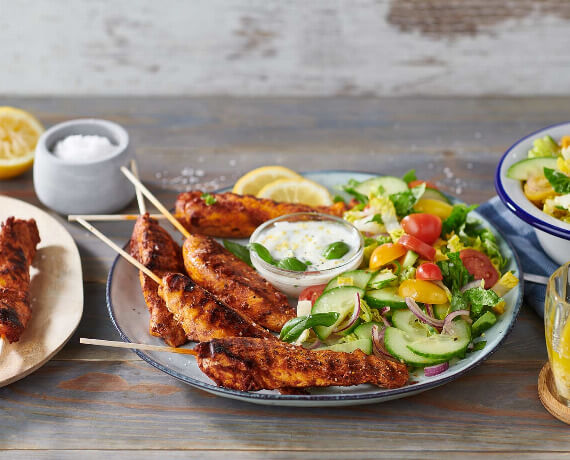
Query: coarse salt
pixel 79 148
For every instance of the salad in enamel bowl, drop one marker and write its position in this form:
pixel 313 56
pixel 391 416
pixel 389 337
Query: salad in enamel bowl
pixel 430 284
pixel 545 175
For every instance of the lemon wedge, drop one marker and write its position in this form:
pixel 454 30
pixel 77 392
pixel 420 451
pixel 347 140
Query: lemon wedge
pixel 19 134
pixel 252 182
pixel 297 191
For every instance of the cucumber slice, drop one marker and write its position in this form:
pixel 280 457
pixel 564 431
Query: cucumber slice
pixel 483 323
pixel 364 331
pixel 410 259
pixel 406 321
pixel 434 194
pixel 523 169
pixel 441 311
pixel 444 346
pixel 358 278
pixel 387 297
pixel 381 280
pixel 389 186
pixel 361 344
pixel 341 300
pixel 397 341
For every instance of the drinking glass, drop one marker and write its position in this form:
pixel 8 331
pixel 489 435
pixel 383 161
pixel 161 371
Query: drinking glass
pixel 557 330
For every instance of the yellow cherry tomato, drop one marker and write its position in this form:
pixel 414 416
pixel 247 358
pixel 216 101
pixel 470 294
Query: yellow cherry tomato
pixel 435 207
pixel 537 189
pixel 422 291
pixel 386 253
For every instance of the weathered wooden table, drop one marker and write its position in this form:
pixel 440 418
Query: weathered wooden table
pixel 108 401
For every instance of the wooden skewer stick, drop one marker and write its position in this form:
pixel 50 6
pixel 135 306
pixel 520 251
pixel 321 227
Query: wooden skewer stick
pixel 137 346
pixel 108 217
pixel 121 252
pixel 140 197
pixel 155 201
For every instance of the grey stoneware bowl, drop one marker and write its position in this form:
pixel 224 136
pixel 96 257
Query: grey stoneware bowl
pixel 89 187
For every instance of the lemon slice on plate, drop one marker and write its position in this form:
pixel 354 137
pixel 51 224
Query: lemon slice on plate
pixel 297 191
pixel 19 134
pixel 252 182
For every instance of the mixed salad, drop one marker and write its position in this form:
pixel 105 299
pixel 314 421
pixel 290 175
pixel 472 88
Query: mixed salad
pixel 545 174
pixel 430 285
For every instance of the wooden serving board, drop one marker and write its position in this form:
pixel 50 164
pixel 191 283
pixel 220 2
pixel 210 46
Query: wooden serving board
pixel 56 294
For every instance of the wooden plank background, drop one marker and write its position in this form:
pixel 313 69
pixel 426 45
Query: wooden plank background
pixel 299 47
pixel 109 402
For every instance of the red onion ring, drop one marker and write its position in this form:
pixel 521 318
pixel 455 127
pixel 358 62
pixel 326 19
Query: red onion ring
pixel 378 343
pixel 384 310
pixel 386 322
pixel 317 344
pixel 416 310
pixel 449 318
pixel 353 317
pixel 430 371
pixel 471 285
pixel 429 310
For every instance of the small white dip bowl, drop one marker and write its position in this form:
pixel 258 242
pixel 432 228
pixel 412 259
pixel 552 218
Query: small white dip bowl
pixel 293 282
pixel 83 187
pixel 553 234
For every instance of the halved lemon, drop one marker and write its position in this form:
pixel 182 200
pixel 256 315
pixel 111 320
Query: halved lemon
pixel 252 182
pixel 19 134
pixel 297 191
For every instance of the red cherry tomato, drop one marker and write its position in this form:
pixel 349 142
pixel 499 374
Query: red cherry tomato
pixel 426 227
pixel 480 266
pixel 312 293
pixel 415 244
pixel 428 183
pixel 429 272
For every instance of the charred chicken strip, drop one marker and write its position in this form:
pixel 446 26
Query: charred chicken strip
pixel 251 364
pixel 235 283
pixel 18 242
pixel 155 249
pixel 202 316
pixel 236 216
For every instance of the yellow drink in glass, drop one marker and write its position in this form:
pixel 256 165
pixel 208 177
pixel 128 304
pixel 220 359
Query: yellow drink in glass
pixel 557 329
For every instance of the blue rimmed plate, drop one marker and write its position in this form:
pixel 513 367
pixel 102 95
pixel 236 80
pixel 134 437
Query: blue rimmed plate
pixel 129 315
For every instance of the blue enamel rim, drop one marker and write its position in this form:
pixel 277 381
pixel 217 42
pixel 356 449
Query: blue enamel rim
pixel 513 206
pixel 371 397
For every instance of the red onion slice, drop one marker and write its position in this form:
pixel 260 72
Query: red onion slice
pixel 353 317
pixel 429 310
pixel 471 285
pixel 430 371
pixel 317 344
pixel 384 310
pixel 378 343
pixel 385 321
pixel 416 310
pixel 449 319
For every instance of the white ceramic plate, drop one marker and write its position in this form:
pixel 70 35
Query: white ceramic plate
pixel 56 293
pixel 129 314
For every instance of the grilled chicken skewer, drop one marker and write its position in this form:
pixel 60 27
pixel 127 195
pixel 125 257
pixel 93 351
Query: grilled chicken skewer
pixel 250 364
pixel 199 313
pixel 236 216
pixel 202 315
pixel 18 242
pixel 234 282
pixel 153 246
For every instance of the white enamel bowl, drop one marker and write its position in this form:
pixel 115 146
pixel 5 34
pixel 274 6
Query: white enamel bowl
pixel 553 234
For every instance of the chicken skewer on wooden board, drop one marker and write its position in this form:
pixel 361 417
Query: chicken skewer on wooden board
pixel 227 215
pixel 227 277
pixel 18 242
